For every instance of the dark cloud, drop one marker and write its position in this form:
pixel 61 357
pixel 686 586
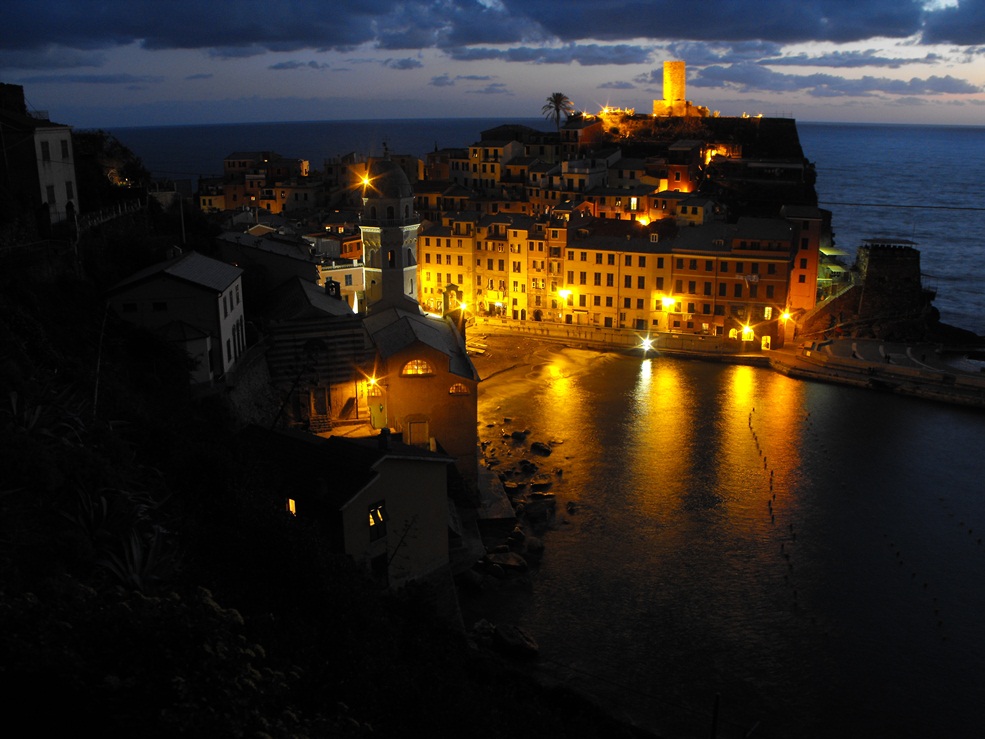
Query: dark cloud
pixel 725 42
pixel 586 55
pixel 236 52
pixel 701 53
pixel 962 24
pixel 187 24
pixel 231 26
pixel 757 78
pixel 51 58
pixel 299 65
pixel 442 80
pixel 495 88
pixel 851 59
pixel 446 80
pixel 724 20
pixel 616 86
pixel 406 63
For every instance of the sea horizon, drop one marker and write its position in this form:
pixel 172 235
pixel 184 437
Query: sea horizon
pixel 474 118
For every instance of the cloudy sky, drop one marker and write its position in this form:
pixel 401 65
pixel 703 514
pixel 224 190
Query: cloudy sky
pixel 115 63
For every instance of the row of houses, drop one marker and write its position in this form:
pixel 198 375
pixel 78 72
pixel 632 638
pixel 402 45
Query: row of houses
pixel 657 243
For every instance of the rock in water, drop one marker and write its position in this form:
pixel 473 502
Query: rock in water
pixel 507 561
pixel 515 641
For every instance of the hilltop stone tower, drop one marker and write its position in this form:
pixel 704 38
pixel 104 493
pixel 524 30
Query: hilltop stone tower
pixel 675 102
pixel 675 84
pixel 389 229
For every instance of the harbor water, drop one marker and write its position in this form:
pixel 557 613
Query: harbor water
pixel 808 555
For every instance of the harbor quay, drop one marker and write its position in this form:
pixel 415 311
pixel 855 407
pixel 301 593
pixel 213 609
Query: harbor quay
pixel 920 369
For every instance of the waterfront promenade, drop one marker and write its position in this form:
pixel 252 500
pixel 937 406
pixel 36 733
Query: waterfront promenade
pixel 918 369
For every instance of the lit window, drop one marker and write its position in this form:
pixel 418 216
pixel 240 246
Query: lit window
pixel 458 389
pixel 417 367
pixel 377 521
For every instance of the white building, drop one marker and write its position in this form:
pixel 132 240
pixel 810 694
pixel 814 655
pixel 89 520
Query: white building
pixel 190 289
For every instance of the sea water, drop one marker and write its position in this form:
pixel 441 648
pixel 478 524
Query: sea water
pixel 807 557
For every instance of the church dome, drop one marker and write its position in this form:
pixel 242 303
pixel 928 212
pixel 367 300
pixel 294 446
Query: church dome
pixel 387 181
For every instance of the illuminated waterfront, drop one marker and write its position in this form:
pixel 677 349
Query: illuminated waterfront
pixel 811 553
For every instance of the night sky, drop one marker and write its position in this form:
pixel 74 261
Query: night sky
pixel 146 62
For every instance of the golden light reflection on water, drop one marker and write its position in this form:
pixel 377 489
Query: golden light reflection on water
pixel 663 436
pixel 564 402
pixel 757 448
pixel 728 452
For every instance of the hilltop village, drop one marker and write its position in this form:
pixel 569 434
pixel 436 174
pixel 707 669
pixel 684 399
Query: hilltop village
pixel 331 316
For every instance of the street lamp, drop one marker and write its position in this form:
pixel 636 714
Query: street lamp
pixel 564 295
pixel 668 303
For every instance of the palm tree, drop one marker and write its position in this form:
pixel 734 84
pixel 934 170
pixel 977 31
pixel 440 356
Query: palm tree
pixel 557 103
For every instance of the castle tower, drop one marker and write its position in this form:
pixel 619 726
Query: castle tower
pixel 675 83
pixel 389 228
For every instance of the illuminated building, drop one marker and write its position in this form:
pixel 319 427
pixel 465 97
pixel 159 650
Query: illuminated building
pixel 675 102
pixel 424 385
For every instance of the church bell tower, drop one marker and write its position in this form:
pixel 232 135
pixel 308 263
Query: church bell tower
pixel 389 229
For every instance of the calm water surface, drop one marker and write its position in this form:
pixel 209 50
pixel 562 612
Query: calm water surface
pixel 810 553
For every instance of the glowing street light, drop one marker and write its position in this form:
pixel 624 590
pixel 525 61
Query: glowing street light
pixel 564 295
pixel 646 344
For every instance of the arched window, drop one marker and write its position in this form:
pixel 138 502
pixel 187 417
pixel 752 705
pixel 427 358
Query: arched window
pixel 458 389
pixel 389 212
pixel 417 367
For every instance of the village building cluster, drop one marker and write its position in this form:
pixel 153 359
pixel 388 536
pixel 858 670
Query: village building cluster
pixel 345 295
pixel 676 222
